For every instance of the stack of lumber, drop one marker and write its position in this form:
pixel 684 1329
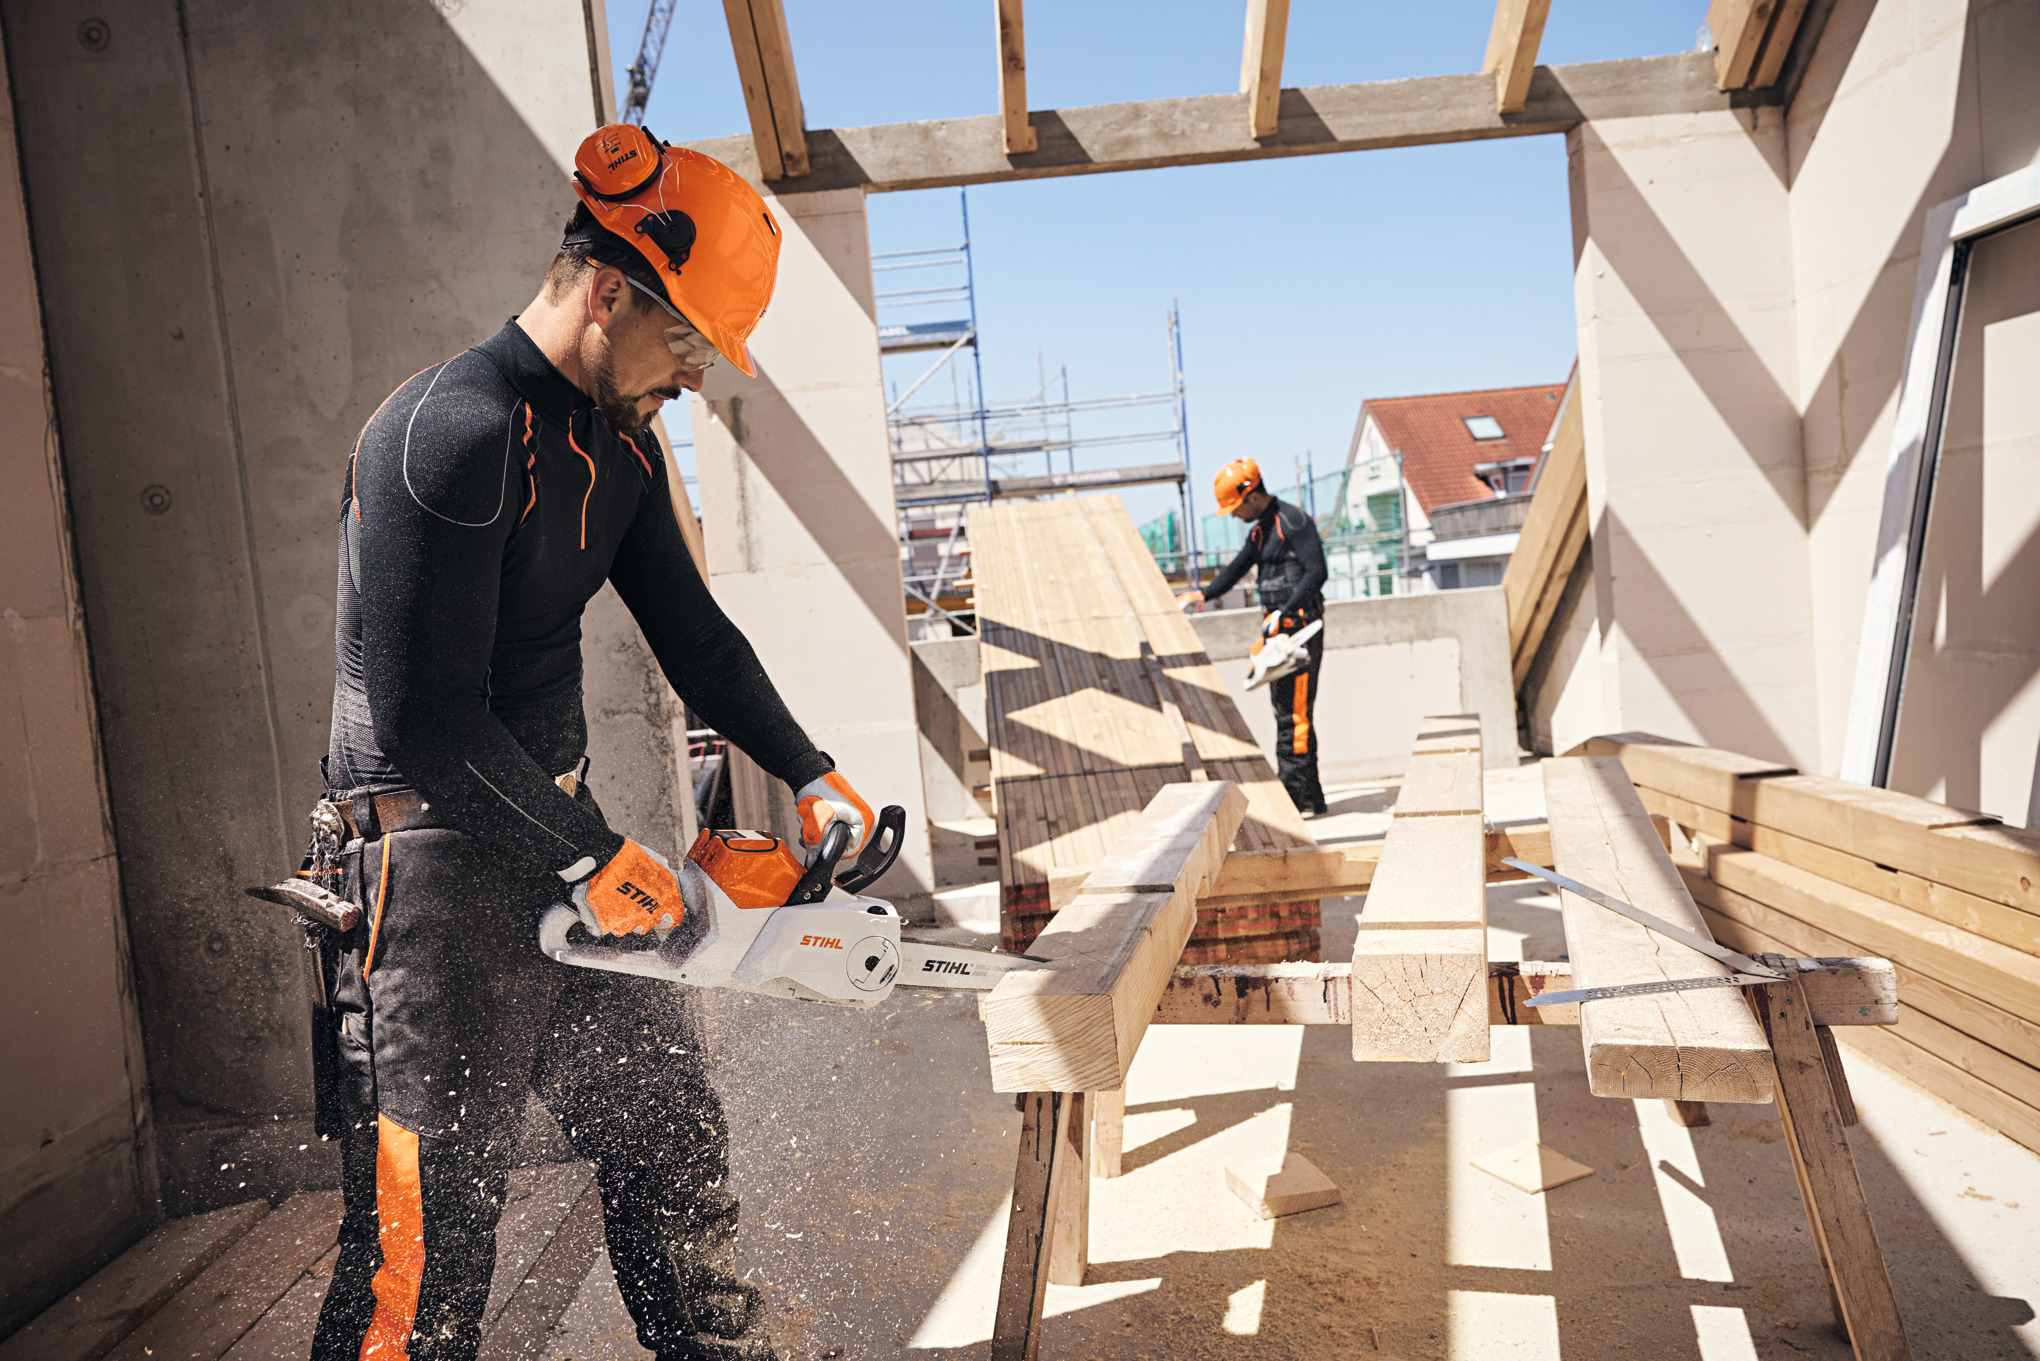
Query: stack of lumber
pixel 1806 865
pixel 1098 693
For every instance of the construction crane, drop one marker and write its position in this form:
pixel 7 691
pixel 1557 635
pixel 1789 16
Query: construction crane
pixel 645 68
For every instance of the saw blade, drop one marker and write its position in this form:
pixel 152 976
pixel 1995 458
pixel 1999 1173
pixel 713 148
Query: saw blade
pixel 925 964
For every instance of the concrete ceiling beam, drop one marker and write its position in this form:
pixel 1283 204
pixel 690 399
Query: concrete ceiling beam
pixel 1205 129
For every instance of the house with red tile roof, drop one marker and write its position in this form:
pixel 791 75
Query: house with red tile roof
pixel 1457 467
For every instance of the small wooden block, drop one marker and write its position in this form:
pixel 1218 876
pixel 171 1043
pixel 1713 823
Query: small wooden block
pixel 1532 1167
pixel 1294 1187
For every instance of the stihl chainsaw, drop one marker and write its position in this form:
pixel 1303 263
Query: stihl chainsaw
pixel 1280 655
pixel 757 920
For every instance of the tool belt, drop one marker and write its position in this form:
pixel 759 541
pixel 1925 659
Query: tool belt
pixel 372 815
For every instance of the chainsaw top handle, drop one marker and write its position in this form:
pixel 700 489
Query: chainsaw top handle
pixel 879 852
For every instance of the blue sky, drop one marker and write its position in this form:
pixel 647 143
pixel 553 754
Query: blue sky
pixel 1306 284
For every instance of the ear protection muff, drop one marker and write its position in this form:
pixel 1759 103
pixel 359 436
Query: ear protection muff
pixel 621 162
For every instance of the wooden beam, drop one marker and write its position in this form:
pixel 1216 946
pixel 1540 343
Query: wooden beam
pixel 1778 43
pixel 1069 1254
pixel 1836 1211
pixel 1108 1130
pixel 1207 129
pixel 1075 1027
pixel 764 56
pixel 1420 957
pixel 1752 39
pixel 1844 991
pixel 1554 534
pixel 1691 1046
pixel 1261 63
pixel 1038 1180
pixel 1018 136
pixel 1512 50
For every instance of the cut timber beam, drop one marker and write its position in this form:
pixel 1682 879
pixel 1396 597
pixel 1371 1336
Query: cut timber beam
pixel 1048 1122
pixel 1842 992
pixel 1751 40
pixel 1512 50
pixel 1206 129
pixel 1420 959
pixel 1554 533
pixel 764 55
pixel 1689 1046
pixel 1261 63
pixel 1075 1027
pixel 1018 135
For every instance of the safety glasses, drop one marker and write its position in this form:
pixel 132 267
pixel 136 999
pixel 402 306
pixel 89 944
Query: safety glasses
pixel 689 346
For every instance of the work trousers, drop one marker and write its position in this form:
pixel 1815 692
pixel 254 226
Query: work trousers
pixel 448 1016
pixel 1295 699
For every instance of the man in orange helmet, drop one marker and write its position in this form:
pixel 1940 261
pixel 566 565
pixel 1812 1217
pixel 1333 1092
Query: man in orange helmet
pixel 1283 545
pixel 486 501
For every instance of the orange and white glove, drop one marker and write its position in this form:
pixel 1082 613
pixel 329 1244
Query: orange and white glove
pixel 632 894
pixel 824 801
pixel 1189 601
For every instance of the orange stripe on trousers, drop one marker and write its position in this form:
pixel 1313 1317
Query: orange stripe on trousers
pixel 400 1220
pixel 1299 713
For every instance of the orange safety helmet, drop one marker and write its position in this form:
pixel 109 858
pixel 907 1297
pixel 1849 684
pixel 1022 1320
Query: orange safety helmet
pixel 706 232
pixel 1233 482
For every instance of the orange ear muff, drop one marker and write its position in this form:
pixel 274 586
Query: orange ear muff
pixel 618 161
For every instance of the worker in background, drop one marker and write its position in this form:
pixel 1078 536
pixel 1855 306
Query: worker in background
pixel 486 501
pixel 1283 546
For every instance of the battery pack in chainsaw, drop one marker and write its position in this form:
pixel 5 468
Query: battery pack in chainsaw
pixel 751 868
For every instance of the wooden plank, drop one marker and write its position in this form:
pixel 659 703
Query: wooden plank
pixel 1738 27
pixel 1108 1131
pixel 1069 1256
pixel 764 54
pixel 536 1202
pixel 209 1315
pixel 1991 920
pixel 1420 957
pixel 1512 50
pixel 1440 784
pixel 1018 134
pixel 1835 1207
pixel 1291 874
pixel 1075 1027
pixel 1704 775
pixel 1778 43
pixel 285 1332
pixel 536 1305
pixel 1554 532
pixel 1037 1189
pixel 1689 1046
pixel 1261 63
pixel 87 1323
pixel 1997 974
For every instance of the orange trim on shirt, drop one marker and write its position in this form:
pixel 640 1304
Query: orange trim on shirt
pixel 400 1224
pixel 1299 713
pixel 382 894
pixel 640 455
pixel 591 480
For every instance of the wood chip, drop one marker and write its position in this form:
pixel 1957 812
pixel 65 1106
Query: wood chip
pixel 1532 1167
pixel 1295 1186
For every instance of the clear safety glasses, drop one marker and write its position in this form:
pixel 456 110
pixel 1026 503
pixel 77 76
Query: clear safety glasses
pixel 688 345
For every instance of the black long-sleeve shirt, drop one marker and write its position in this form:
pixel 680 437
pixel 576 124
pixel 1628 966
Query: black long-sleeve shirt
pixel 1284 545
pixel 486 503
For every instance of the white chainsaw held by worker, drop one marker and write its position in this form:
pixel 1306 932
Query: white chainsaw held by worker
pixel 756 919
pixel 1277 652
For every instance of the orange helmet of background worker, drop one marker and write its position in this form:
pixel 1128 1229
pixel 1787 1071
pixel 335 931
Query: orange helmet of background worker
pixel 706 233
pixel 1234 481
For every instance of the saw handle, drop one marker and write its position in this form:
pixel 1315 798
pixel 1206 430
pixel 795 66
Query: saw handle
pixel 879 852
pixel 813 886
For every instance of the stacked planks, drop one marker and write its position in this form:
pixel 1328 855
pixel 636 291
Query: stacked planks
pixel 1806 865
pixel 1098 693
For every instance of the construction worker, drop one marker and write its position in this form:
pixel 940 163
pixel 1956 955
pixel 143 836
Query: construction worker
pixel 486 501
pixel 1283 546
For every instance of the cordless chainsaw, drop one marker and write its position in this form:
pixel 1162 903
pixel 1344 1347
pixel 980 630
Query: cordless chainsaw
pixel 1280 655
pixel 758 920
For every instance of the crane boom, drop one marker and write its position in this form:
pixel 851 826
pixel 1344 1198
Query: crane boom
pixel 645 68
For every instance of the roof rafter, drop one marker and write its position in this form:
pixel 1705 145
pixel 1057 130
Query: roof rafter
pixel 1512 50
pixel 1261 64
pixel 764 55
pixel 1018 135
pixel 1752 39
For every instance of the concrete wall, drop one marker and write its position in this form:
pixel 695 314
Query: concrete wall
pixel 1388 662
pixel 949 709
pixel 77 1165
pixel 251 223
pixel 797 510
pixel 1560 703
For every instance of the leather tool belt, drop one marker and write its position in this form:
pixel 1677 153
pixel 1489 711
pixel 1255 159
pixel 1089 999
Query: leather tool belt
pixel 371 815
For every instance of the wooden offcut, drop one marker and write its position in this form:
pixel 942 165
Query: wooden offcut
pixel 1512 50
pixel 1532 1167
pixel 1292 1186
pixel 1690 1046
pixel 1098 693
pixel 1420 957
pixel 1075 1027
pixel 764 55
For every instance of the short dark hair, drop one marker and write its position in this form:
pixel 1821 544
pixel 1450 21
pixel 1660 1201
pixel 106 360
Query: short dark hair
pixel 584 245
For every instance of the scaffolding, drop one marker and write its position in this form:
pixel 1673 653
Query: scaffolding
pixel 947 457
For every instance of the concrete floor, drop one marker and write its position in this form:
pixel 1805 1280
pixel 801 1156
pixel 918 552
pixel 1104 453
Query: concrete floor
pixel 875 1163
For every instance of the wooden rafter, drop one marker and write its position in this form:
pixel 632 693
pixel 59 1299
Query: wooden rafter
pixel 1751 40
pixel 1512 50
pixel 1261 63
pixel 771 90
pixel 1019 134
